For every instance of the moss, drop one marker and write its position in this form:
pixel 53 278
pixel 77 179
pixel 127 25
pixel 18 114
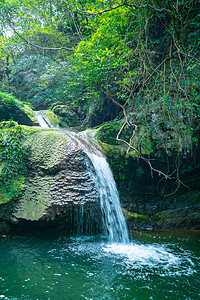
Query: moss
pixel 47 146
pixel 35 199
pixel 145 142
pixel 52 118
pixel 28 110
pixel 14 190
pixel 46 151
pixel 8 124
pixel 107 133
pixel 183 217
pixel 134 217
pixel 29 130
pixel 67 115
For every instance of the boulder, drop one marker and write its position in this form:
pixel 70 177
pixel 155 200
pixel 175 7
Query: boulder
pixel 67 115
pixel 59 184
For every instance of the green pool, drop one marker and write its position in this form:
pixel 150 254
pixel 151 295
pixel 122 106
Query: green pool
pixel 51 264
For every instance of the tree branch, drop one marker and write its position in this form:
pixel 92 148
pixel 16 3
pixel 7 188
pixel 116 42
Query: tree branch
pixel 128 5
pixel 36 46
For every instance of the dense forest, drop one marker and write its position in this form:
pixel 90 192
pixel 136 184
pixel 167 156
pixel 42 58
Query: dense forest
pixel 129 68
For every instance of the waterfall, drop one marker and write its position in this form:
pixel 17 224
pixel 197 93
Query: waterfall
pixel 41 120
pixel 112 215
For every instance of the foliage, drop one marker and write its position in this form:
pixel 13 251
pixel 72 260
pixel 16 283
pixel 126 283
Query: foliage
pixel 8 102
pixel 8 193
pixel 41 81
pixel 108 132
pixel 25 79
pixel 12 158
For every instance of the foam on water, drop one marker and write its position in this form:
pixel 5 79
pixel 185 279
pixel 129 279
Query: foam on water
pixel 143 254
pixel 159 259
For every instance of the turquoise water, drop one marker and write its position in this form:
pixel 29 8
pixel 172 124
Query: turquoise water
pixel 52 265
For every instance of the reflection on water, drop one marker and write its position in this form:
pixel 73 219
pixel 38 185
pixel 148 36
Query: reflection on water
pixel 155 265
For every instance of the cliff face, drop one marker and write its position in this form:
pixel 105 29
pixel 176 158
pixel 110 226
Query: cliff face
pixel 147 197
pixel 58 184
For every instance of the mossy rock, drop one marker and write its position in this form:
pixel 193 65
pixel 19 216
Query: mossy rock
pixel 188 217
pixel 45 152
pixel 46 149
pixel 35 199
pixel 67 115
pixel 108 132
pixel 56 181
pixel 136 218
pixel 13 109
pixel 51 118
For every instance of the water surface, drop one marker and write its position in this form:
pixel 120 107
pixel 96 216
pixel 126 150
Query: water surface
pixel 50 264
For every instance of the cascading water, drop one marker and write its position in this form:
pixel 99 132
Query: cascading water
pixel 43 120
pixel 112 215
pixel 113 218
